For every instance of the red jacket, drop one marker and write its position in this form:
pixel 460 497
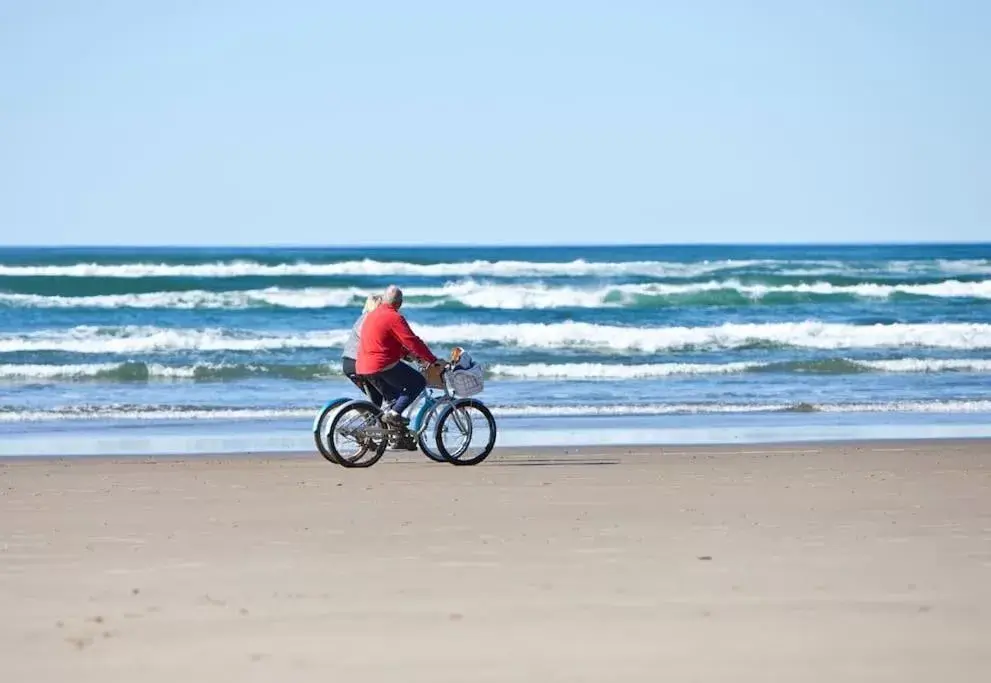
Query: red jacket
pixel 385 339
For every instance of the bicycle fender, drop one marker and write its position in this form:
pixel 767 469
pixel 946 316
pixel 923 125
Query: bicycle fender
pixel 333 403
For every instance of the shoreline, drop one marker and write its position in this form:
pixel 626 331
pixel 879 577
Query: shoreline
pixel 267 437
pixel 518 453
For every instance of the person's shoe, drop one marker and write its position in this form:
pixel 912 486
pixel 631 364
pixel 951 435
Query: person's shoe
pixel 406 442
pixel 393 418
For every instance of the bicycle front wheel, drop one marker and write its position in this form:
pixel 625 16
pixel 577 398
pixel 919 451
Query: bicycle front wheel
pixel 466 432
pixel 427 438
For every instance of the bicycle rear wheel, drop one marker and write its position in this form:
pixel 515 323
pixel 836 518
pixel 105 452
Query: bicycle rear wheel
pixel 357 438
pixel 466 432
pixel 321 430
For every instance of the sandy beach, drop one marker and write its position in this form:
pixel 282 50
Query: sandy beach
pixel 814 562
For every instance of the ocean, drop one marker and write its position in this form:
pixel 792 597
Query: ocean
pixel 182 349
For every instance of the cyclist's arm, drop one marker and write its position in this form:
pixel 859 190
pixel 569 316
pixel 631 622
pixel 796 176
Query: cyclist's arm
pixel 411 342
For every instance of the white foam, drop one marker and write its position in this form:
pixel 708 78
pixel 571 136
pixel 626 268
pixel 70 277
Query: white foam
pixel 156 413
pixel 809 334
pixel 81 371
pixel 597 371
pixel 929 365
pixel 485 295
pixel 564 371
pixel 40 372
pixel 946 289
pixel 129 340
pixel 92 370
pixel 578 267
pixel 151 413
pixel 370 267
pixel 969 266
pixel 619 410
pixel 723 408
pixel 196 299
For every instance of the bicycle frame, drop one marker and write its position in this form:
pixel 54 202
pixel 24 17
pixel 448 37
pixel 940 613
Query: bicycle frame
pixel 429 400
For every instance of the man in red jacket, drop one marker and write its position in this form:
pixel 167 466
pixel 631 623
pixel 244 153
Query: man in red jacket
pixel 386 339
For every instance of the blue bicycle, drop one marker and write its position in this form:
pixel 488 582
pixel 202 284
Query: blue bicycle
pixel 351 433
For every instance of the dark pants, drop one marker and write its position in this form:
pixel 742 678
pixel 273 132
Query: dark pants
pixel 347 366
pixel 400 384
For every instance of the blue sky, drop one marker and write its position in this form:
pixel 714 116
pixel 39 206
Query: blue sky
pixel 514 122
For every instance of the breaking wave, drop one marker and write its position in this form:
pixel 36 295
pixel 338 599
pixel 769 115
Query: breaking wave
pixel 137 371
pixel 225 413
pixel 471 294
pixel 370 267
pixel 566 335
pixel 482 268
pixel 838 366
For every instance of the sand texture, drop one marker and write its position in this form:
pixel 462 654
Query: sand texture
pixel 854 562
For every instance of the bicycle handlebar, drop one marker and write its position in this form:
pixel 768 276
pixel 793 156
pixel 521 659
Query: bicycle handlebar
pixel 445 366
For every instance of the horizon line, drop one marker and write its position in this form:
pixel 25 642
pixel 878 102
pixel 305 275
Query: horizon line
pixel 484 245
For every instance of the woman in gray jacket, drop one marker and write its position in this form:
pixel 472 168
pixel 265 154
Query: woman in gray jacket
pixel 350 353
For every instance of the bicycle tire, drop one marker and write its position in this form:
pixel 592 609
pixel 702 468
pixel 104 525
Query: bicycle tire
pixel 377 449
pixel 425 439
pixel 465 405
pixel 319 431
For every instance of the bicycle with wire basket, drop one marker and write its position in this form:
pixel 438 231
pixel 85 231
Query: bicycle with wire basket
pixel 444 424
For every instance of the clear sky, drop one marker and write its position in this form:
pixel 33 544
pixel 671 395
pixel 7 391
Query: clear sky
pixel 310 122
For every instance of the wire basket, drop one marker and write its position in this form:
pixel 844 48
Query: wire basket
pixel 466 381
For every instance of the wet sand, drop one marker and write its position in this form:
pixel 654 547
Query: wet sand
pixel 813 562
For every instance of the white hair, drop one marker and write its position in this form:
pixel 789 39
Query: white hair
pixel 392 296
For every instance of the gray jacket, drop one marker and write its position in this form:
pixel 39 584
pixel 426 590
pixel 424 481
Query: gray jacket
pixel 351 345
